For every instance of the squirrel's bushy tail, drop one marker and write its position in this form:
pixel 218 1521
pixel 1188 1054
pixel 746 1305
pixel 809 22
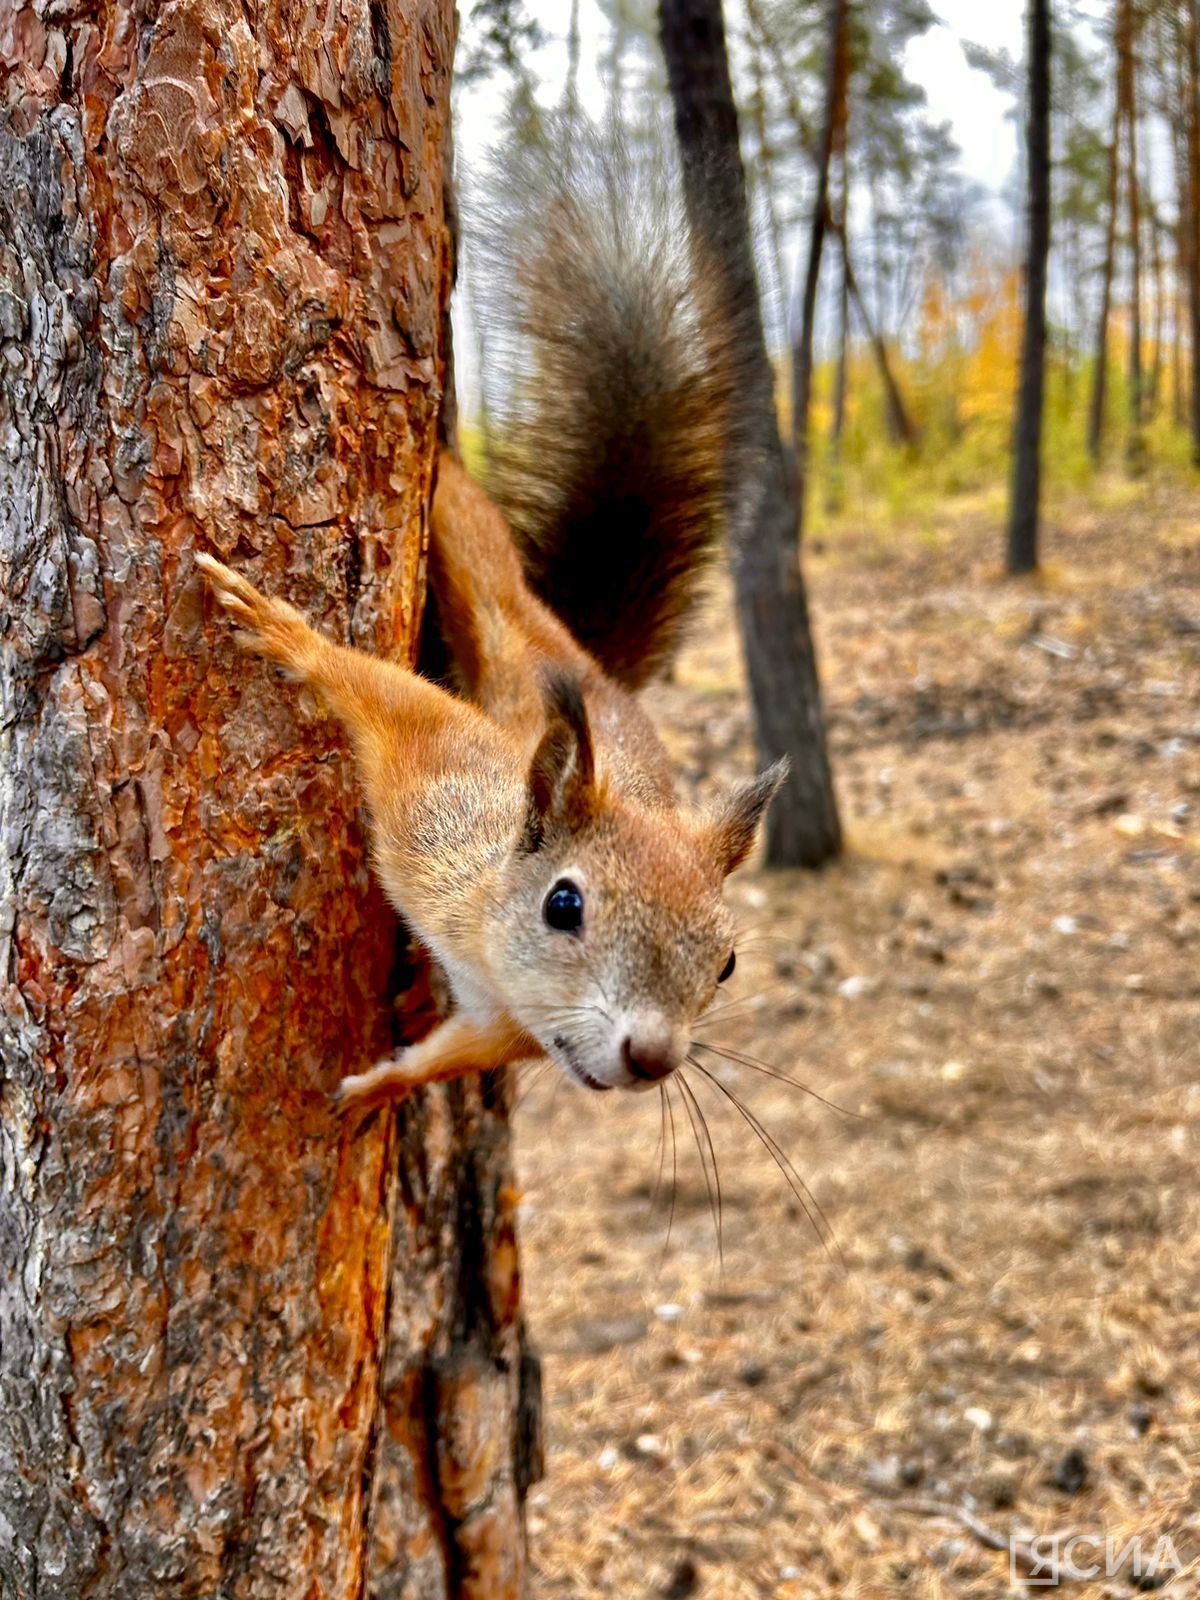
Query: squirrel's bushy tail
pixel 611 458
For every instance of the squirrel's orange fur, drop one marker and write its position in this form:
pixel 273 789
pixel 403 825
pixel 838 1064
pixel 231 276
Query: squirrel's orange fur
pixel 528 831
pixel 551 774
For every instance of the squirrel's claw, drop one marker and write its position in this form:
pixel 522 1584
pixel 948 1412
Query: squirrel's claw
pixel 363 1091
pixel 270 628
pixel 231 590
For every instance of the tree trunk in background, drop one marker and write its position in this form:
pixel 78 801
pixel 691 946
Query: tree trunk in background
pixel 837 67
pixel 901 427
pixel 835 488
pixel 1154 382
pixel 1095 435
pixel 1127 82
pixel 1194 213
pixel 777 295
pixel 244 1351
pixel 802 827
pixel 1181 277
pixel 1178 406
pixel 1027 448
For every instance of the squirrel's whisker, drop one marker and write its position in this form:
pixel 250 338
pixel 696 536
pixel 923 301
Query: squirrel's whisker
pixel 715 1203
pixel 739 1004
pixel 738 1058
pixel 662 1146
pixel 666 1088
pixel 533 1079
pixel 804 1196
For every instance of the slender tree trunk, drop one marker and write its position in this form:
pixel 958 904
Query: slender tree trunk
pixel 1181 278
pixel 1027 448
pixel 1095 437
pixel 1178 404
pixel 785 79
pixel 245 1350
pixel 803 828
pixel 1175 93
pixel 1128 78
pixel 1154 383
pixel 834 494
pixel 837 67
pixel 902 428
pixel 767 185
pixel 1194 213
pixel 841 384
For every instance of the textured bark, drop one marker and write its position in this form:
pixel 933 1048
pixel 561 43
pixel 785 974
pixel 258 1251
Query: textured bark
pixel 1027 446
pixel 244 1352
pixel 802 826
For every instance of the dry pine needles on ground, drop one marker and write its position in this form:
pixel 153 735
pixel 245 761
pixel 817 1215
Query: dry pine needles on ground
pixel 1000 984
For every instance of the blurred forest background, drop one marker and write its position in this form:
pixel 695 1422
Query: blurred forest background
pixel 918 333
pixel 952 1094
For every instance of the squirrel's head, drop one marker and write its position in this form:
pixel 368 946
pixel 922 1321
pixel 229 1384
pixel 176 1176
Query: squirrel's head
pixel 612 935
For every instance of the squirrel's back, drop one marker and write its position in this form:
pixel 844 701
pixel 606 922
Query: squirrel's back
pixel 612 461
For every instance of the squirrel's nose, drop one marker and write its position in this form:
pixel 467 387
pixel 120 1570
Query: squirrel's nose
pixel 648 1059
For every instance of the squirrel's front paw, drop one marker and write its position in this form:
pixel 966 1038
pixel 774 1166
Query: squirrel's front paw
pixel 363 1091
pixel 270 628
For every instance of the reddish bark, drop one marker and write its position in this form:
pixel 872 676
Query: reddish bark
pixel 223 273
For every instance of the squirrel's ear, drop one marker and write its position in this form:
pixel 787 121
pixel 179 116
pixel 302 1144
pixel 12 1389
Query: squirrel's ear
pixel 562 775
pixel 739 813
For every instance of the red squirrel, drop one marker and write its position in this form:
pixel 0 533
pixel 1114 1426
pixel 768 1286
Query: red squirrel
pixel 527 829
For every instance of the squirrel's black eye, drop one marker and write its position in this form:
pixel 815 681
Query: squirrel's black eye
pixel 564 907
pixel 727 969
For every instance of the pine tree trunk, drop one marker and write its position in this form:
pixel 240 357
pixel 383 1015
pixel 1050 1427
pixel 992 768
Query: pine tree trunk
pixel 777 295
pixel 1027 447
pixel 835 487
pixel 1180 279
pixel 1154 383
pixel 901 427
pixel 836 71
pixel 1128 79
pixel 245 1351
pixel 1095 436
pixel 1194 214
pixel 803 827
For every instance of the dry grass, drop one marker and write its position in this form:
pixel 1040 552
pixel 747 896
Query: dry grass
pixel 1000 984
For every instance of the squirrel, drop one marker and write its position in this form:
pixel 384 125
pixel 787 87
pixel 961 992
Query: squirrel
pixel 526 828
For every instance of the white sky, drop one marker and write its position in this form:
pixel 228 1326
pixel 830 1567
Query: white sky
pixel 957 94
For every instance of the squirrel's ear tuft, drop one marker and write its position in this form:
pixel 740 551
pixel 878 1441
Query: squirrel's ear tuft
pixel 562 775
pixel 738 814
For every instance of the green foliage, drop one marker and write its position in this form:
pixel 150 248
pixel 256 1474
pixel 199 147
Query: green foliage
pixel 965 449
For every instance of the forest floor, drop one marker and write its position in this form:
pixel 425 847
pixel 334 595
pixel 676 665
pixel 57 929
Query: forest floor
pixel 1000 985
